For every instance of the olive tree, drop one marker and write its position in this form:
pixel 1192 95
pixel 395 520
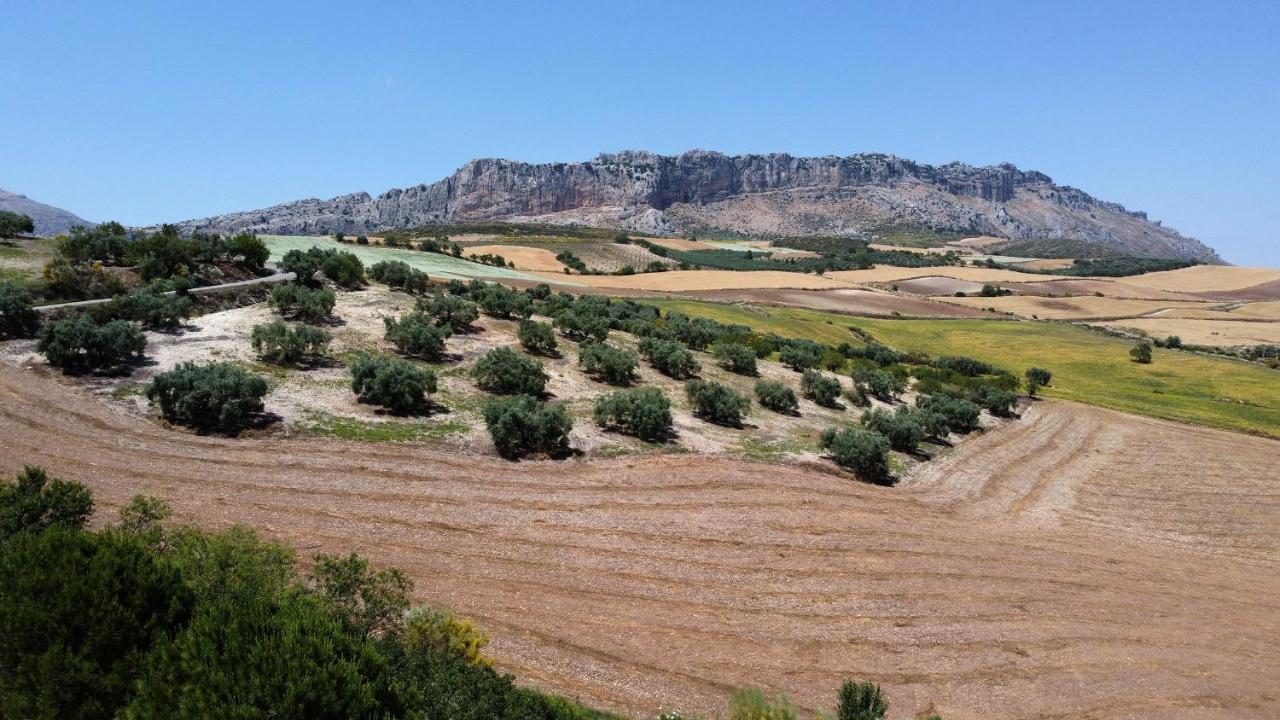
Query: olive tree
pixel 735 357
pixel 522 424
pixel 537 337
pixel 415 335
pixel 506 372
pixel 860 451
pixel 777 397
pixel 394 383
pixel 214 396
pixel 283 344
pixel 608 363
pixel 717 403
pixel 642 412
pixel 81 345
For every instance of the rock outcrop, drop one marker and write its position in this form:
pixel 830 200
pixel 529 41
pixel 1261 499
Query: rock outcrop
pixel 49 220
pixel 764 195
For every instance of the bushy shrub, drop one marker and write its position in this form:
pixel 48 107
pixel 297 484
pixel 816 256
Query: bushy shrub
pixel 521 425
pixel 282 344
pixel 394 383
pixel 964 365
pixel 1141 352
pixel 669 358
pixel 608 363
pixel 717 403
pixel 441 633
pixel 449 311
pixel 901 428
pixel 414 334
pixel 581 326
pixel 398 275
pixel 777 397
pixel 1036 379
pixel 735 357
pixel 79 344
pixel 213 396
pixel 501 301
pixel 961 415
pixel 506 372
pixel 249 250
pixel 305 263
pixel 13 224
pixel 34 502
pixel 17 318
pixel 861 701
pixel 643 412
pixel 995 400
pixel 152 309
pixel 860 451
pixel 537 337
pixel 800 356
pixel 881 384
pixel 344 268
pixel 821 389
pixel 303 303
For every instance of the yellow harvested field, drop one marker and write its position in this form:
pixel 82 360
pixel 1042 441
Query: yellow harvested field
pixel 1205 278
pixel 1075 308
pixel 525 258
pixel 682 244
pixel 681 280
pixel 1090 286
pixel 1262 310
pixel 1205 332
pixel 888 273
pixel 1048 264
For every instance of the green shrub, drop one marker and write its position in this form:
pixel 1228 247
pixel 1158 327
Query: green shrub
pixel 717 403
pixel 608 363
pixel 902 428
pixel 394 383
pixel 152 309
pixel 415 335
pixel 580 326
pixel 506 372
pixel 777 397
pixel 34 502
pixel 735 357
pixel 13 224
pixel 643 412
pixel 521 425
pixel 861 701
pixel 398 275
pixel 344 268
pixel 881 384
pixel 80 345
pixel 282 344
pixel 1173 341
pixel 862 452
pixel 213 396
pixel 800 356
pixel 537 337
pixel 1036 379
pixel 1141 352
pixel 249 250
pixel 821 389
pixel 502 302
pixel 17 318
pixel 303 303
pixel 440 632
pixel 753 704
pixel 449 311
pixel 669 358
pixel 960 415
pixel 305 263
pixel 995 400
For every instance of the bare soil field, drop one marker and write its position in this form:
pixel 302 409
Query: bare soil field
pixel 686 280
pixel 1227 333
pixel 938 285
pixel 853 301
pixel 1074 308
pixel 1083 564
pixel 1206 278
pixel 888 273
pixel 525 258
pixel 1261 310
pixel 1090 286
pixel 1263 291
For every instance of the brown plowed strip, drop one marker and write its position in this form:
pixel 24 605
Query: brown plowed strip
pixel 1077 564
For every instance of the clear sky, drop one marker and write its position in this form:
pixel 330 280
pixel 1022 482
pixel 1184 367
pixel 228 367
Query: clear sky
pixel 150 112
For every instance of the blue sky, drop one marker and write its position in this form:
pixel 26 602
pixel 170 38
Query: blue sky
pixel 148 112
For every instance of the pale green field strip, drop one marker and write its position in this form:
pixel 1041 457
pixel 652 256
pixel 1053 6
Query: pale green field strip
pixel 433 264
pixel 1087 366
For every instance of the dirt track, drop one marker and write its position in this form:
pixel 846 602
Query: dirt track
pixel 1080 564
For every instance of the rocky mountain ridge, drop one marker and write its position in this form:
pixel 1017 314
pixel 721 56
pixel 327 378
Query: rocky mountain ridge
pixel 757 195
pixel 49 220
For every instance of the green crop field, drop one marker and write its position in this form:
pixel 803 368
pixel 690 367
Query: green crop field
pixel 433 264
pixel 1087 366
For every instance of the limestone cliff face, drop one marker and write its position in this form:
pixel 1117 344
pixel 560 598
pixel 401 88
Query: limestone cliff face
pixel 774 194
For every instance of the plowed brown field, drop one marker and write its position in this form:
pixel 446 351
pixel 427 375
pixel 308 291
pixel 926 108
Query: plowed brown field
pixel 1079 564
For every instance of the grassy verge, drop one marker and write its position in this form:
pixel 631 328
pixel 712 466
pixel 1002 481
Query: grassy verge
pixel 1087 366
pixel 385 431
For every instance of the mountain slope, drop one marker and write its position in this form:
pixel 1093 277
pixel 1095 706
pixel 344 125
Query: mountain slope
pixel 49 220
pixel 777 194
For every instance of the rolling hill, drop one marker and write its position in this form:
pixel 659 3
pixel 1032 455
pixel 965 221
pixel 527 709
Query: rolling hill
pixel 49 220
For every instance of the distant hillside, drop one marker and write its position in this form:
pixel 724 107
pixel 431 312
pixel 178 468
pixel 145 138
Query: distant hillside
pixel 755 195
pixel 49 220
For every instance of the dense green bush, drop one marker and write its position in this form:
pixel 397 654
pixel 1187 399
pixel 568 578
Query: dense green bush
pixel 394 383
pixel 303 303
pixel 669 358
pixel 398 275
pixel 344 268
pixel 152 309
pixel 581 326
pixel 13 224
pixel 449 311
pixel 777 397
pixel 862 452
pixel 820 388
pixel 79 344
pixel 506 372
pixel 305 263
pixel 995 400
pixel 17 318
pixel 521 425
pixel 717 403
pixel 643 412
pixel 881 384
pixel 735 357
pixel 1141 352
pixel 861 701
pixel 1036 379
pixel 961 415
pixel 502 302
pixel 249 250
pixel 33 502
pixel 213 396
pixel 964 365
pixel 283 344
pixel 415 335
pixel 800 356
pixel 902 428
pixel 537 337
pixel 608 363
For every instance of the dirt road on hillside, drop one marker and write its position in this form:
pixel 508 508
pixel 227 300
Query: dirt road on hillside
pixel 1036 572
